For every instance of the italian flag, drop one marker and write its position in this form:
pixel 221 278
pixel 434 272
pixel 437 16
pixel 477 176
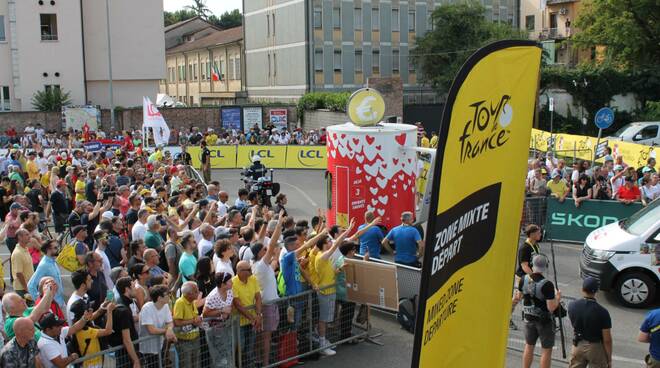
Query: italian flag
pixel 215 73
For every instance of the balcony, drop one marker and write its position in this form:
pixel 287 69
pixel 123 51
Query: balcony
pixel 551 34
pixel 556 2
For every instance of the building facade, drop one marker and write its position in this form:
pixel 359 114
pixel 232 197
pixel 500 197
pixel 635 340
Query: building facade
pixel 297 46
pixel 190 67
pixel 552 25
pixel 63 44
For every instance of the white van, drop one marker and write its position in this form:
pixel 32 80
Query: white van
pixel 647 132
pixel 625 257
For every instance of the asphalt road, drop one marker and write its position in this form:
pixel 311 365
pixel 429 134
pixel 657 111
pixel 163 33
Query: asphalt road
pixel 306 192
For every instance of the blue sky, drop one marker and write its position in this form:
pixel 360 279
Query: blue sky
pixel 217 6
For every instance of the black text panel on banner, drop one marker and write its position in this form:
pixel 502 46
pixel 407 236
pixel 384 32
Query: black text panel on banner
pixel 478 190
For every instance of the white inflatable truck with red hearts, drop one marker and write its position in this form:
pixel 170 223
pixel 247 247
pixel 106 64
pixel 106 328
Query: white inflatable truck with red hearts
pixel 369 169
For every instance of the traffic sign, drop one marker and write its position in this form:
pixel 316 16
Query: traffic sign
pixel 604 118
pixel 601 149
pixel 366 107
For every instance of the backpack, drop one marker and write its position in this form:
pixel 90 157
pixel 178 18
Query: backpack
pixel 533 290
pixel 406 313
pixel 281 284
pixel 67 258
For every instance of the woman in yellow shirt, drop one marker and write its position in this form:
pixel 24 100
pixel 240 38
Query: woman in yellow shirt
pixel 87 339
pixel 327 281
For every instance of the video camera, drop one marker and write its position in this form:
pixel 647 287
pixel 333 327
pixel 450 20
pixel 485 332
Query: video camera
pixel 264 186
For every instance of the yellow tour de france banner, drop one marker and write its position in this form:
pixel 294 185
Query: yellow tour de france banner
pixel 222 157
pixel 273 157
pixel 465 296
pixel 306 157
pixel 583 147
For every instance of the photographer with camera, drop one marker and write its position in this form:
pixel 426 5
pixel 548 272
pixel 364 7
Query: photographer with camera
pixel 601 189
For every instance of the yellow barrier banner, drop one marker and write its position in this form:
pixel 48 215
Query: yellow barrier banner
pixel 474 225
pixel 565 144
pixel 306 157
pixel 273 157
pixel 222 157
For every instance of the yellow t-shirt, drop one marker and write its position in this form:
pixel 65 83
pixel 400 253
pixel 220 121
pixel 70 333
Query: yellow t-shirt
pixel 80 185
pixel 21 261
pixel 93 348
pixel 434 141
pixel 212 139
pixel 326 275
pixel 45 180
pixel 311 266
pixel 245 293
pixel 558 189
pixel 32 170
pixel 425 142
pixel 183 309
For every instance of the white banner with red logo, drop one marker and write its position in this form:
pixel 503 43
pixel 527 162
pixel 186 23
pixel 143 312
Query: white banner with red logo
pixel 153 119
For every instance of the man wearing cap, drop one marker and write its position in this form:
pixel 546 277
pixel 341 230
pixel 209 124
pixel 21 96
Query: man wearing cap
pixel 48 268
pixel 592 336
pixel 52 345
pixel 60 206
pixel 540 300
pixel 558 186
pixel 206 162
pixel 629 192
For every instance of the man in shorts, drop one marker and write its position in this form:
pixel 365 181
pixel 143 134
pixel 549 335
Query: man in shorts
pixel 540 300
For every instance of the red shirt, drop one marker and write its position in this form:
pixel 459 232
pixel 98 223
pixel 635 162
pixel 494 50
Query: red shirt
pixel 632 193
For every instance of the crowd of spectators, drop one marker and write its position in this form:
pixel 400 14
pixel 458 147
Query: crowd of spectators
pixel 613 180
pixel 154 252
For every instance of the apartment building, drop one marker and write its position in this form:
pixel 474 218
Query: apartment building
pixel 296 46
pixel 63 44
pixel 191 66
pixel 551 23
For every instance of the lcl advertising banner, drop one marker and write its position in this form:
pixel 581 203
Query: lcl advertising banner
pixel 474 222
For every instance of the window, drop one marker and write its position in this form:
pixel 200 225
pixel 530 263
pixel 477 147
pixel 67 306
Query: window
pixel 190 71
pixel 318 18
pixel 411 21
pixel 2 28
pixel 221 69
pixel 429 19
pixel 208 71
pixel 649 132
pixel 318 60
pixel 336 60
pixel 411 65
pixel 237 68
pixel 375 61
pixel 274 65
pixel 203 70
pixel 529 23
pixel 395 60
pixel 268 25
pixel 375 19
pixel 270 68
pixel 273 25
pixel 358 60
pixel 395 19
pixel 48 27
pixel 51 87
pixel 357 18
pixel 5 102
pixel 195 71
pixel 336 18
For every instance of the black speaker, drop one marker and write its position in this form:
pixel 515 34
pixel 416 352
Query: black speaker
pixel 45 74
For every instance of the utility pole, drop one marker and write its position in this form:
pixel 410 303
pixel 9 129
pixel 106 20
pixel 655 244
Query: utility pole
pixel 113 125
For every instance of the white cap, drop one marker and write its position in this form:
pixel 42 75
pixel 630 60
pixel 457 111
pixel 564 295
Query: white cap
pixel 256 158
pixel 108 215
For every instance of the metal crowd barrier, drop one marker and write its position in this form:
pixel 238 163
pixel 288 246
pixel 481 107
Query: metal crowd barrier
pixel 289 334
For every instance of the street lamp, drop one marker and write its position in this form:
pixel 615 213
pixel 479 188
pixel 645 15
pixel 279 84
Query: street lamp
pixel 112 102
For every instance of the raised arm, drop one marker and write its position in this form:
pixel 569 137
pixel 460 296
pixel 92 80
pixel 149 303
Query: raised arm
pixel 338 241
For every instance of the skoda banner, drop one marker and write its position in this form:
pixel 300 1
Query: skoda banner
pixel 473 227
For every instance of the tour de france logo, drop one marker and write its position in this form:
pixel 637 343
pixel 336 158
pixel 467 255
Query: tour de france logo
pixel 488 129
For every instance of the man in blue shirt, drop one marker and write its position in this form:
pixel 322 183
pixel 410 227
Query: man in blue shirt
pixel 48 268
pixel 370 235
pixel 650 333
pixel 406 240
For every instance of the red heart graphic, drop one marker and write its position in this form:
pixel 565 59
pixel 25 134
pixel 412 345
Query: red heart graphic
pixel 384 166
pixel 370 139
pixel 378 147
pixel 410 160
pixel 356 141
pixel 395 160
pixel 344 136
pixel 401 138
pixel 334 136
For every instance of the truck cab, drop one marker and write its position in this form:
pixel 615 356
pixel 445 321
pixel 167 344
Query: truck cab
pixel 647 132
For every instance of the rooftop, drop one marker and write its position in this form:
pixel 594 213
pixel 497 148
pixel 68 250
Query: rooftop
pixel 214 39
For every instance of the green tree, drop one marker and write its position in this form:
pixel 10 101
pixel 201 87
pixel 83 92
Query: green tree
pixel 199 8
pixel 629 29
pixel 458 30
pixel 227 19
pixel 51 99
pixel 178 16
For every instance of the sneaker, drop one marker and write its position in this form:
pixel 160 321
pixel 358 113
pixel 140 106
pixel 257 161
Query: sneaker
pixel 327 352
pixel 512 325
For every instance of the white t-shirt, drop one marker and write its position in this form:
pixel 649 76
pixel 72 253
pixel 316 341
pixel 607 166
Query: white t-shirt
pixel 222 208
pixel 150 315
pixel 245 253
pixel 266 277
pixel 139 231
pixel 203 247
pixel 50 348
pixel 222 266
pixel 42 164
pixel 652 192
pixel 69 315
pixel 616 184
pixel 106 266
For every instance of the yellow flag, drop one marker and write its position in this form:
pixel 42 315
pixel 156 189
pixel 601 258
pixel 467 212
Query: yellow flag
pixel 476 204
